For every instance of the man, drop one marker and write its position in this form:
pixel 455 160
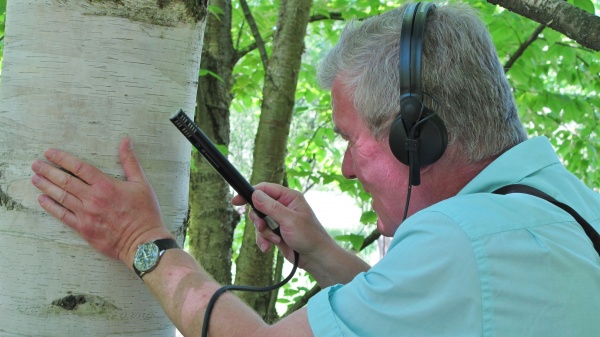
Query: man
pixel 463 261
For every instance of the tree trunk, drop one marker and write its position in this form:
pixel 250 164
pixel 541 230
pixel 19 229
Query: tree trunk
pixel 212 217
pixel 254 267
pixel 79 76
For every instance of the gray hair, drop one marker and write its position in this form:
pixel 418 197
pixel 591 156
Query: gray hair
pixel 463 79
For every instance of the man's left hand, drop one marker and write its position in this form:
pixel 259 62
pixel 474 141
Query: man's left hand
pixel 114 216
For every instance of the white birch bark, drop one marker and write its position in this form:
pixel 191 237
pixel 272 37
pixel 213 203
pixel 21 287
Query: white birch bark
pixel 79 75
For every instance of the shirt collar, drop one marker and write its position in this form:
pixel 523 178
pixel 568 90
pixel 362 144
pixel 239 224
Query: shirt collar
pixel 513 166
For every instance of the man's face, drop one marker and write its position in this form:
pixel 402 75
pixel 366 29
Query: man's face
pixel 371 162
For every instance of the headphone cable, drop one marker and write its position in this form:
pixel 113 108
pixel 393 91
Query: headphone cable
pixel 215 296
pixel 411 159
pixel 409 189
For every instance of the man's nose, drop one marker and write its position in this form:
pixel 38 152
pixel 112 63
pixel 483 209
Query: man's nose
pixel 348 165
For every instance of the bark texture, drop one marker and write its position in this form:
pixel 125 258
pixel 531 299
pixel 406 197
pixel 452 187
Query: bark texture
pixel 80 82
pixel 212 217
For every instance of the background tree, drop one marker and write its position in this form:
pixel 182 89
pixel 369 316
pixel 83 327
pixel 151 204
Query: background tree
pixel 212 217
pixel 79 76
pixel 554 73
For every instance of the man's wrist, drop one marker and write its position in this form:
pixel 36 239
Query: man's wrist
pixel 149 236
pixel 148 255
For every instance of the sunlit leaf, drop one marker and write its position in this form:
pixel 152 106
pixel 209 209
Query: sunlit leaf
pixel 355 240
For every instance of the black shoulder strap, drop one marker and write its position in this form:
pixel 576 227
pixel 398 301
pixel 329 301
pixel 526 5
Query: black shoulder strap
pixel 587 228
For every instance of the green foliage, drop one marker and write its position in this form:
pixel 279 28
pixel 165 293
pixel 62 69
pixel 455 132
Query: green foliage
pixel 216 11
pixel 2 25
pixel 294 290
pixel 556 87
pixel 354 239
pixel 204 72
pixel 586 5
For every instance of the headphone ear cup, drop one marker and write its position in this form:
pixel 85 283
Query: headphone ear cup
pixel 432 136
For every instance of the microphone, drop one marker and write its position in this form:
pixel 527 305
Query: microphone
pixel 219 162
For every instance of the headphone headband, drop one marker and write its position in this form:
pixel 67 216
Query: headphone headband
pixel 418 136
pixel 411 49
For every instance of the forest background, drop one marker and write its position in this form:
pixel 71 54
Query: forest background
pixel 555 77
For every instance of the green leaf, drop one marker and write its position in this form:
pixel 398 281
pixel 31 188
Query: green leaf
pixel 224 150
pixel 355 240
pixel 204 72
pixel 368 217
pixel 2 10
pixel 214 10
pixel 586 5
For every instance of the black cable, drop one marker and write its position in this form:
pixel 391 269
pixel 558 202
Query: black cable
pixel 223 289
pixel 412 131
pixel 408 192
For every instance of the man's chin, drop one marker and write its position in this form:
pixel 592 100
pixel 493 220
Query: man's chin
pixel 385 229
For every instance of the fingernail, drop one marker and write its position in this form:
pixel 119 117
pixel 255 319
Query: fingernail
pixel 263 247
pixel 49 154
pixel 36 165
pixel 260 196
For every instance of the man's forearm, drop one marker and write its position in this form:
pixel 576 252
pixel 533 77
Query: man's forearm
pixel 184 289
pixel 336 266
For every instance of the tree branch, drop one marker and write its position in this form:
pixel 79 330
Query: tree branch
pixel 318 17
pixel 302 301
pixel 329 16
pixel 561 16
pixel 370 239
pixel 254 28
pixel 514 57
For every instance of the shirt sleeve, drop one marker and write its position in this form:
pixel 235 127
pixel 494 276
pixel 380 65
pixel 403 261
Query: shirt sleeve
pixel 426 285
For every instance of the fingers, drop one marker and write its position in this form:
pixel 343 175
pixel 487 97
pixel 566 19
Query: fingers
pixel 238 200
pixel 77 167
pixel 281 194
pixel 263 229
pixel 57 184
pixel 58 211
pixel 263 243
pixel 269 206
pixel 131 165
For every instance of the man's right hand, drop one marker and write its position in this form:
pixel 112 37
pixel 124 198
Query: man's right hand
pixel 302 232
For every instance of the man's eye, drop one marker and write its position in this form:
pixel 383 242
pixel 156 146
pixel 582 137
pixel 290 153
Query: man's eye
pixel 343 136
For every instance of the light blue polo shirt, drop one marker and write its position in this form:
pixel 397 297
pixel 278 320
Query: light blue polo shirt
pixel 481 264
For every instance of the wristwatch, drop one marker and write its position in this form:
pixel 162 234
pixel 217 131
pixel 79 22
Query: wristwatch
pixel 148 254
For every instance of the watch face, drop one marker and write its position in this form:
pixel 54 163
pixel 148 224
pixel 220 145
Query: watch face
pixel 146 256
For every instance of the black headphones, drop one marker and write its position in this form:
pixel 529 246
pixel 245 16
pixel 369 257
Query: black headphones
pixel 418 136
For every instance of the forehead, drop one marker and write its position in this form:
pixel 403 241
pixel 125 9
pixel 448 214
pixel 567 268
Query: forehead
pixel 341 104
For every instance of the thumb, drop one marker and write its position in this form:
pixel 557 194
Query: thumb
pixel 260 199
pixel 267 205
pixel 131 165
